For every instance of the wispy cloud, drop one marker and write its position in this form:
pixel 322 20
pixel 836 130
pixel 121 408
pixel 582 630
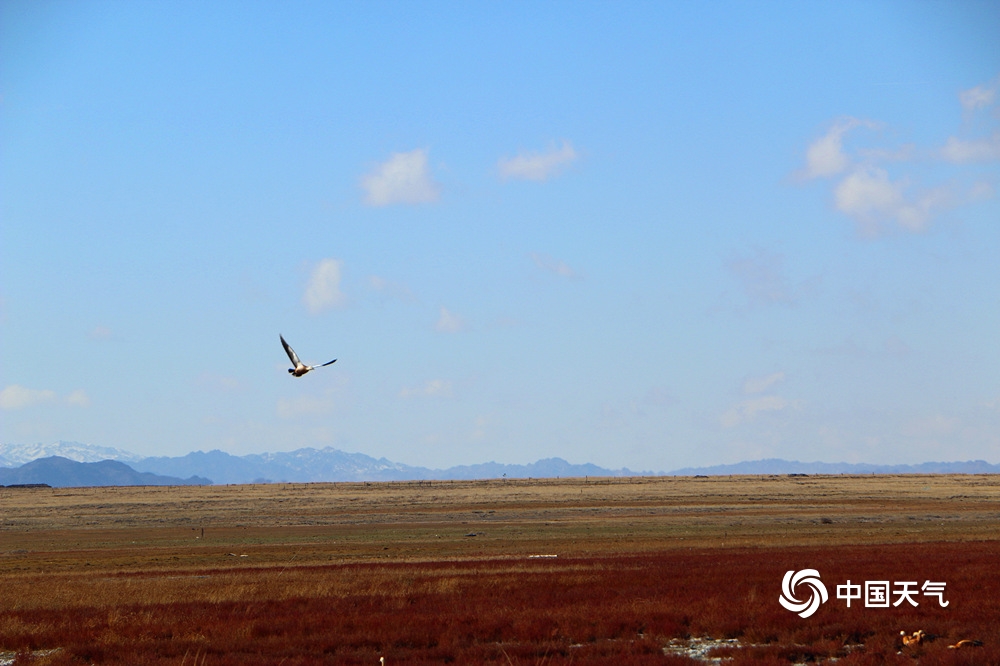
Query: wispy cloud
pixel 870 197
pixel 622 413
pixel 16 396
pixel 982 148
pixel 323 288
pixel 554 266
pixel 482 425
pixel 880 202
pixel 980 97
pixel 333 398
pixel 748 410
pixel 390 289
pixel 404 178
pixel 931 425
pixel 981 191
pixel 755 404
pixel 985 149
pixel 449 322
pixel 762 277
pixel 305 405
pixel 538 166
pixel 893 346
pixel 825 156
pixel 78 398
pixel 434 388
pixel 755 385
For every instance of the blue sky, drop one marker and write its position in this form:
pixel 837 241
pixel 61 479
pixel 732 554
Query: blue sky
pixel 651 235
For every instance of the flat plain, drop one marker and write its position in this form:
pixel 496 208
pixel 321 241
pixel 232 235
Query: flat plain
pixel 513 571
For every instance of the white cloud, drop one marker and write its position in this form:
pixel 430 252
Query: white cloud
pixel 915 215
pixel 19 397
pixel 552 265
pixel 449 322
pixel 403 179
pixel 981 96
pixel 323 289
pixel 868 191
pixel 984 149
pixel 78 398
pixel 825 156
pixel 748 409
pixel 870 197
pixel 865 190
pixel 761 384
pixel 976 150
pixel 538 166
pixel 905 153
pixel 435 388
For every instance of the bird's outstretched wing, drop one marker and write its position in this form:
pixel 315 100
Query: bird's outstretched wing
pixel 291 352
pixel 328 363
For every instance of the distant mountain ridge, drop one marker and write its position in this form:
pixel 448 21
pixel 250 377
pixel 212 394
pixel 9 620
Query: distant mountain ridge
pixel 329 464
pixel 60 472
pixel 303 465
pixel 299 466
pixel 778 466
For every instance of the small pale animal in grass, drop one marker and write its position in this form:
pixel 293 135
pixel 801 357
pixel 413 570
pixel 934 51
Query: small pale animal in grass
pixel 300 367
pixel 914 639
pixel 965 643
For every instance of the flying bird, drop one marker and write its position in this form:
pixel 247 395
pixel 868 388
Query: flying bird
pixel 300 367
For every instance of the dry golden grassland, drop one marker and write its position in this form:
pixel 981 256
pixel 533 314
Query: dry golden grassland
pixel 432 572
pixel 579 516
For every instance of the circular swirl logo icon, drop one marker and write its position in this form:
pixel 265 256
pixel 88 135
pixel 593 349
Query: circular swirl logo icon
pixel 817 592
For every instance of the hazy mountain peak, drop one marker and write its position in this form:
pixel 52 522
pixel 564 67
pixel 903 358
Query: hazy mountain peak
pixel 18 454
pixel 57 471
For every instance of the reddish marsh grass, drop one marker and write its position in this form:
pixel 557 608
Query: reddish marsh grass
pixel 587 610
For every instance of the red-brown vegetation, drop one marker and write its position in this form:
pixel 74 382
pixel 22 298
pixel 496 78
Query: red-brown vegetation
pixel 651 570
pixel 621 609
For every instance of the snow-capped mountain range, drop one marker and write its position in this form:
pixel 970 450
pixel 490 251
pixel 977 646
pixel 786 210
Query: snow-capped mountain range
pixel 12 455
pixel 302 465
pixel 329 464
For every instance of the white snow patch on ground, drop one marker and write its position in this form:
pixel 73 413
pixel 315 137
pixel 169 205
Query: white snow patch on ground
pixel 7 658
pixel 698 648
